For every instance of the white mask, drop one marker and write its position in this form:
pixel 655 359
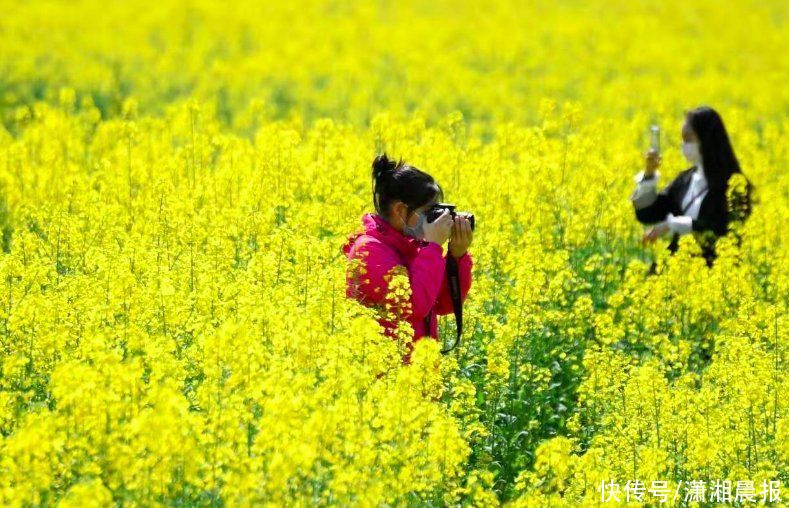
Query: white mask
pixel 691 152
pixel 417 231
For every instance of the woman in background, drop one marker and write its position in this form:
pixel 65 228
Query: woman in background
pixel 695 201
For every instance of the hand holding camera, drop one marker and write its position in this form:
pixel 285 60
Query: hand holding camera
pixel 438 229
pixel 460 227
pixel 462 234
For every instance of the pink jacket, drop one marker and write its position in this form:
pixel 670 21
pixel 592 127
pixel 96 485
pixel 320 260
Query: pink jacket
pixel 379 248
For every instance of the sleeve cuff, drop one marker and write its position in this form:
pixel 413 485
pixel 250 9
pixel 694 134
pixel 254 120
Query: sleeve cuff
pixel 639 178
pixel 681 224
pixel 646 190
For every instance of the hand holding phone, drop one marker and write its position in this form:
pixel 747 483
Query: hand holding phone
pixel 653 157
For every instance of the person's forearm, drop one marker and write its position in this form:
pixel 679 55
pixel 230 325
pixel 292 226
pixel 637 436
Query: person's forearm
pixel 426 274
pixel 444 305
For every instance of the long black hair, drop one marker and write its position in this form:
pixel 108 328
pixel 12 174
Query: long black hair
pixel 717 157
pixel 717 154
pixel 398 181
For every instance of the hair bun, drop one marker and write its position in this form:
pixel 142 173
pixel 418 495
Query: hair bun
pixel 382 165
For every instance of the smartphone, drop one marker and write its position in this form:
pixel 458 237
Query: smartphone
pixel 654 138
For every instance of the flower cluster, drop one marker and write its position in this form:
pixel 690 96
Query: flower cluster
pixel 174 193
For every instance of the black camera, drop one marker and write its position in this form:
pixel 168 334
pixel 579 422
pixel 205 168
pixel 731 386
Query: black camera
pixel 435 211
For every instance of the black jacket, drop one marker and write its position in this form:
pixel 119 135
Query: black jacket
pixel 713 212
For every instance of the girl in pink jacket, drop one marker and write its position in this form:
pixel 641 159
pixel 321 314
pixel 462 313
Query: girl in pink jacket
pixel 398 235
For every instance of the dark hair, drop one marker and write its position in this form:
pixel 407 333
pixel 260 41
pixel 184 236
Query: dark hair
pixel 398 181
pixel 717 154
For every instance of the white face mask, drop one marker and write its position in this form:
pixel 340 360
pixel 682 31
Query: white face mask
pixel 417 231
pixel 691 152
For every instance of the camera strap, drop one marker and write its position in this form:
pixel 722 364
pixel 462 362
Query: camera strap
pixel 693 199
pixel 453 279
